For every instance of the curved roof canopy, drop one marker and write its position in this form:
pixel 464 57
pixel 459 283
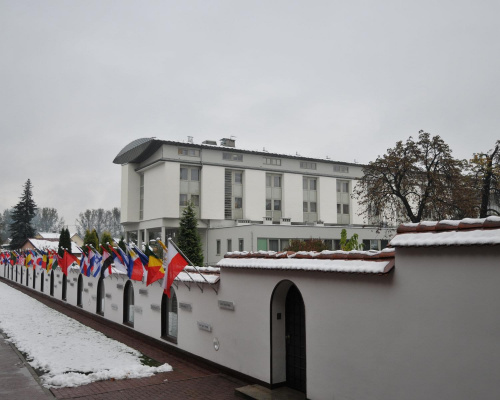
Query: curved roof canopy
pixel 137 151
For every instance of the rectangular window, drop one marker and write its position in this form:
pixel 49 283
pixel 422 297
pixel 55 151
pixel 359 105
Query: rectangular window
pixel 238 177
pixel 274 245
pixel 240 245
pixel 312 206
pixel 268 204
pixel 141 198
pixel 277 205
pixel 195 199
pixel 238 202
pixel 188 152
pixel 307 165
pixel 272 161
pixel 341 168
pixel 195 174
pixel 229 245
pixel 305 206
pixel 345 208
pixel 339 208
pixel 183 198
pixel 312 184
pixel 232 157
pixel 184 174
pixel 218 247
pixel 277 181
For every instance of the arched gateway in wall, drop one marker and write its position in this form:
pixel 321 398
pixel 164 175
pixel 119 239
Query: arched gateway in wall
pixel 288 337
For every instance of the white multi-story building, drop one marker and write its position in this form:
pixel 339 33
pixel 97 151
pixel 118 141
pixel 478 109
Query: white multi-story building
pixel 245 200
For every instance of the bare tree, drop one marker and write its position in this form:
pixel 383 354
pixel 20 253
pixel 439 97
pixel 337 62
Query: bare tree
pixel 486 175
pixel 47 220
pixel 101 220
pixel 416 180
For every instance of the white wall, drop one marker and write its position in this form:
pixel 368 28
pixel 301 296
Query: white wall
pixel 212 192
pixel 130 194
pixel 254 190
pixel 327 193
pixel 156 191
pixel 293 197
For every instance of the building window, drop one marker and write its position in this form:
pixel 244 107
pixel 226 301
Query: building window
pixel 307 165
pixel 218 247
pixel 273 196
pixel 128 304
pixel 169 317
pixel 272 161
pixel 310 199
pixel 189 190
pixel 233 194
pixel 232 157
pixel 229 245
pixel 343 202
pixel 189 152
pixel 240 245
pixel 341 168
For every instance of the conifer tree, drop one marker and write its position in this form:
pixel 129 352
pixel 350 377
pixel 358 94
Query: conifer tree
pixel 64 241
pixel 22 215
pixel 189 240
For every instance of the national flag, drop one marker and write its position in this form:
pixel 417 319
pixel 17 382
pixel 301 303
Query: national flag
pixel 136 269
pixel 155 269
pixel 66 260
pixel 119 260
pixel 38 263
pixel 84 263
pixel 97 264
pixel 91 257
pixel 175 264
pixel 50 263
pixel 44 260
pixel 107 260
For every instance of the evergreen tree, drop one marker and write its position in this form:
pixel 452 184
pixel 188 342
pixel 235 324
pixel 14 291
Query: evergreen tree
pixel 189 239
pixel 21 227
pixel 91 239
pixel 64 241
pixel 106 238
pixel 121 244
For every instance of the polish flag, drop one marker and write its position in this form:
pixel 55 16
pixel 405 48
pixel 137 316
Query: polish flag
pixel 175 264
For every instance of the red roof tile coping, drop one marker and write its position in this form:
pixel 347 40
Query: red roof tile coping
pixel 328 255
pixel 446 225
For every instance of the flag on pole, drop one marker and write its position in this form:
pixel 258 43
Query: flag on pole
pixel 97 264
pixel 175 264
pixel 119 260
pixel 84 263
pixel 107 260
pixel 136 269
pixel 66 260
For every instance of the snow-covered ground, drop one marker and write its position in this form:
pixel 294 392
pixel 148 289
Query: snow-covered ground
pixel 69 353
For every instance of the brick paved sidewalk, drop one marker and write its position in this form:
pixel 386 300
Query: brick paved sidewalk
pixel 190 378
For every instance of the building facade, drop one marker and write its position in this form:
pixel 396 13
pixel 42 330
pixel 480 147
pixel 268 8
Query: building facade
pixel 245 200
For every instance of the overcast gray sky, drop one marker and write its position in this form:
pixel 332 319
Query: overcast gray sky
pixel 344 79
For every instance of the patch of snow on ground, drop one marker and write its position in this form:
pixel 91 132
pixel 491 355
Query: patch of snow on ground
pixel 69 353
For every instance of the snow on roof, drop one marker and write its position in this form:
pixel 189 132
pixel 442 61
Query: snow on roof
pixel 49 235
pixel 368 262
pixel 41 244
pixel 465 232
pixel 185 277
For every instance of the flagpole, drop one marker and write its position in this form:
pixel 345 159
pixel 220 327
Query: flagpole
pixel 165 275
pixel 192 265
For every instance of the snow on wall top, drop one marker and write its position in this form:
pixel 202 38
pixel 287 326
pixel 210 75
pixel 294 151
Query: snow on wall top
pixel 368 262
pixel 465 232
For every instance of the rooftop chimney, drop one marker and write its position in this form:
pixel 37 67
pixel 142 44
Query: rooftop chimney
pixel 227 142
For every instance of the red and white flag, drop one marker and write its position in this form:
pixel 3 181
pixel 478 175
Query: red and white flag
pixel 175 264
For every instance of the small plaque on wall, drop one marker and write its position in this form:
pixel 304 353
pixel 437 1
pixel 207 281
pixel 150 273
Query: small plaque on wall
pixel 108 295
pixel 114 307
pixel 75 279
pixel 185 306
pixel 155 307
pixel 143 291
pixel 138 309
pixel 204 326
pixel 94 297
pixel 226 305
pixel 71 284
pixel 90 284
pixel 119 285
pixel 59 282
pixel 86 290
